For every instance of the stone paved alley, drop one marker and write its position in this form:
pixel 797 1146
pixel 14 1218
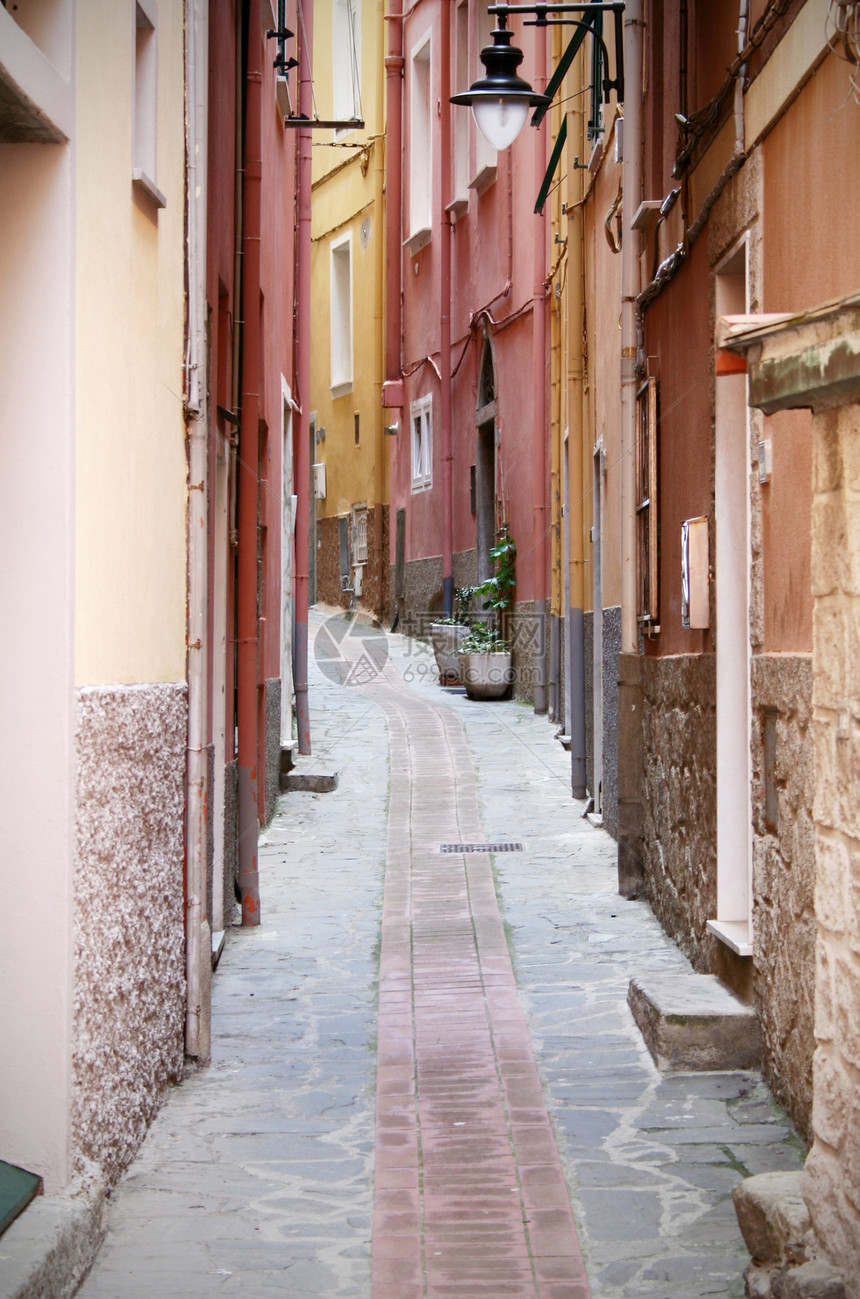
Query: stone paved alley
pixel 500 1128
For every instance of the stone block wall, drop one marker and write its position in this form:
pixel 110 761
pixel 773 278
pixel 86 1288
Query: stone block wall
pixel 679 810
pixel 784 876
pixel 374 594
pixel 129 1015
pixel 832 1184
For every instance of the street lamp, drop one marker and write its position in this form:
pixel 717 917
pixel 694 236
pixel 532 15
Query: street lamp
pixel 500 101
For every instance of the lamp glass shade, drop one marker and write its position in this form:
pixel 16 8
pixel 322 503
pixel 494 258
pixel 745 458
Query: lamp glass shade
pixel 500 120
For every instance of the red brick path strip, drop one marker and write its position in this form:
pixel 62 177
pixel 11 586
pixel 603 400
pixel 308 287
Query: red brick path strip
pixel 470 1201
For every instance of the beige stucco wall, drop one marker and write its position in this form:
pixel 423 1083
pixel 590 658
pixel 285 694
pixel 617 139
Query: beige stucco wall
pixel 130 465
pixel 833 1166
pixel 36 501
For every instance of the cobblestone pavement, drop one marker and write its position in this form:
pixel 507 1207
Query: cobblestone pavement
pixel 257 1177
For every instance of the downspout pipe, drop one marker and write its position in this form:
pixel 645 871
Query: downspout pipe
pixel 445 317
pixel 540 484
pixel 249 440
pixel 576 399
pixel 392 398
pixel 303 381
pixel 631 174
pixel 198 942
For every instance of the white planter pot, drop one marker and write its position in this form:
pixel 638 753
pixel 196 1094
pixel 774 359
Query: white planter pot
pixel 486 676
pixel 446 638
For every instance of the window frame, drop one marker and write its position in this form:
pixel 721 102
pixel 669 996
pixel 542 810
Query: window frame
pixel 341 332
pixel 421 447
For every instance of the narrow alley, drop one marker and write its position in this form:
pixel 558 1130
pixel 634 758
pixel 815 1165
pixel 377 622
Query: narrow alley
pixel 425 1077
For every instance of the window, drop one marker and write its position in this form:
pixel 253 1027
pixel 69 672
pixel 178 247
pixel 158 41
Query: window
pixel 646 506
pixel 421 148
pixel 485 155
pixel 460 118
pixel 144 140
pixel 346 59
pixel 341 317
pixel 422 444
pixel 359 534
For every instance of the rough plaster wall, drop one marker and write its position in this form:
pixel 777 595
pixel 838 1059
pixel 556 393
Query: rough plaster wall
pixel 833 1167
pixel 375 585
pixel 679 811
pixel 328 565
pixel 784 881
pixel 526 638
pixel 273 746
pixel 611 650
pixel 129 936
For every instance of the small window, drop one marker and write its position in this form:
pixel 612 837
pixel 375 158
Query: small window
pixel 484 172
pixel 341 317
pixel 460 118
pixel 420 151
pixel 422 444
pixel 145 140
pixel 346 59
pixel 359 534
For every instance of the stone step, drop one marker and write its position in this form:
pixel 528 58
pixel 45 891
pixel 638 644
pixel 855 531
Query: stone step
pixel 691 1022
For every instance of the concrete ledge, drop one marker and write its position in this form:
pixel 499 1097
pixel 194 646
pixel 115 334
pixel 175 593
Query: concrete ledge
pixel 691 1022
pixel 309 782
pixel 50 1248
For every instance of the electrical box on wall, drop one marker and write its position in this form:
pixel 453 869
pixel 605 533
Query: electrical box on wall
pixel 319 482
pixel 695 574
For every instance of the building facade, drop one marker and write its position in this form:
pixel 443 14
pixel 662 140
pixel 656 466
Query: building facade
pixel 349 440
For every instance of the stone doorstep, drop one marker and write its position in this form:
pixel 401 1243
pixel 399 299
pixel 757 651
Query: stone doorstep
pixel 303 774
pixel 691 1022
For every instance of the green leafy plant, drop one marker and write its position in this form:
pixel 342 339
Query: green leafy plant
pixel 497 592
pixel 463 597
pixel 483 639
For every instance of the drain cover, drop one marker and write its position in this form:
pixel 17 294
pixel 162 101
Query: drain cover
pixel 480 847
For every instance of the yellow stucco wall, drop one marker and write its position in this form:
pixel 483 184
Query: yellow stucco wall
pixel 348 200
pixel 130 553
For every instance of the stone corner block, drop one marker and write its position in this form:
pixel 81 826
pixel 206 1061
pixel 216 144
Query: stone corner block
pixel 773 1216
pixel 814 1280
pixel 691 1022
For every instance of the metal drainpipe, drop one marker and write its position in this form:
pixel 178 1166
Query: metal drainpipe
pixel 631 172
pixel 198 943
pixel 445 316
pixel 576 399
pixel 539 456
pixel 303 380
pixel 249 438
pixel 393 186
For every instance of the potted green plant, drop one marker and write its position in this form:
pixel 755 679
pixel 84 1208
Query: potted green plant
pixel 485 663
pixel 447 634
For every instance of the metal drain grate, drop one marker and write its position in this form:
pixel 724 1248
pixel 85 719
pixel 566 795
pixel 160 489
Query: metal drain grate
pixel 480 847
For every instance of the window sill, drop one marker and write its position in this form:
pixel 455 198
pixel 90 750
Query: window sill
pixel 420 486
pixel 458 208
pixel 419 240
pixel 341 389
pixel 481 182
pixel 734 933
pixel 147 187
